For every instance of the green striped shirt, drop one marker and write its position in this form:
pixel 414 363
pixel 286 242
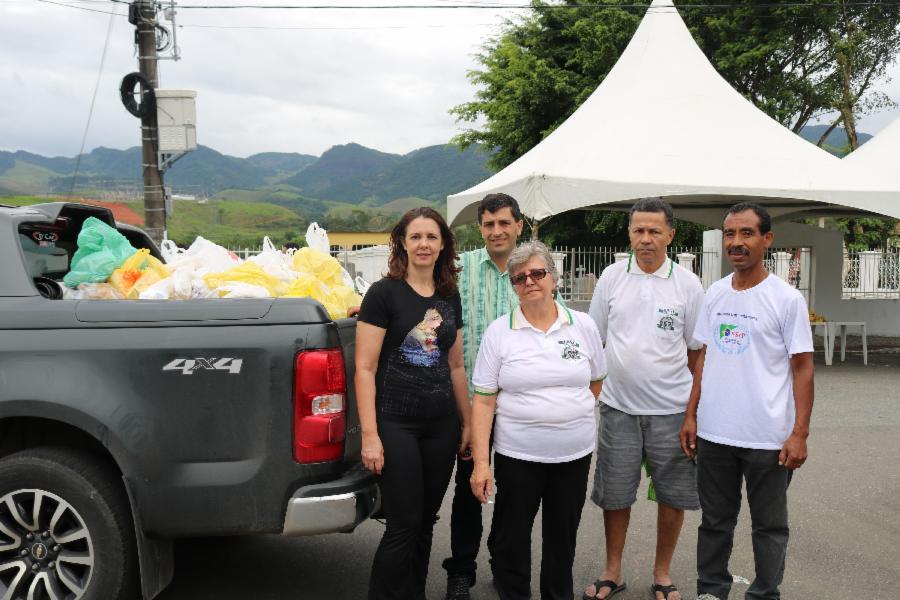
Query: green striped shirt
pixel 486 295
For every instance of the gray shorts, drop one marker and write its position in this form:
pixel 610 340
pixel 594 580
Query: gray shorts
pixel 623 441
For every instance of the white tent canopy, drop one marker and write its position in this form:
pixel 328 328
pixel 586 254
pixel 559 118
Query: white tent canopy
pixel 664 123
pixel 879 158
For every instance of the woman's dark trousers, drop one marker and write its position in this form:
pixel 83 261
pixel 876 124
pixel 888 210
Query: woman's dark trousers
pixel 559 489
pixel 418 462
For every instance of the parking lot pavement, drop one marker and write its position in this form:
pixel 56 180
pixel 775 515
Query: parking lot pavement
pixel 844 511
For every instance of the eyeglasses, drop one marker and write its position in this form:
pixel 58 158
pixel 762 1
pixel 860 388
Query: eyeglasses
pixel 521 278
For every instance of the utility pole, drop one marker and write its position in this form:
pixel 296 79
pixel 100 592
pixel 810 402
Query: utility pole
pixel 154 192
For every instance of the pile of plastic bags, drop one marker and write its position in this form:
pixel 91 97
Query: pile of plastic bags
pixel 107 267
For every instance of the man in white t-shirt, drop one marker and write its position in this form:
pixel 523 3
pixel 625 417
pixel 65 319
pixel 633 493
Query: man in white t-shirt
pixel 645 310
pixel 754 388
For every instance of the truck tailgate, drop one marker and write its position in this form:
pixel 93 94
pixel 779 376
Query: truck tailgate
pixel 347 333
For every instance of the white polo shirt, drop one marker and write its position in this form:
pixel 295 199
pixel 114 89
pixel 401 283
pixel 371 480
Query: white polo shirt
pixel 647 321
pixel 747 390
pixel 545 410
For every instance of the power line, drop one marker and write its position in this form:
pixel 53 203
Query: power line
pixel 102 12
pixel 851 3
pixel 339 28
pixel 87 125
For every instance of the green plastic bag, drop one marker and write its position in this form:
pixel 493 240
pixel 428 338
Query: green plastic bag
pixel 101 250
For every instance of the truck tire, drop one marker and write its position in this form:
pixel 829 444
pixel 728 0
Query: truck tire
pixel 66 530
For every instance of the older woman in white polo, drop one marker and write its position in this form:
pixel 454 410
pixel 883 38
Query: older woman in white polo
pixel 541 368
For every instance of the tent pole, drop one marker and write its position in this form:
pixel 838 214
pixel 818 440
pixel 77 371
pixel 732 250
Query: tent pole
pixel 535 229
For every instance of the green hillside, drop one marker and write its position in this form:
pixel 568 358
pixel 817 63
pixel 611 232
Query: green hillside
pixel 25 178
pixel 233 224
pixel 434 172
pixel 25 200
pixel 345 173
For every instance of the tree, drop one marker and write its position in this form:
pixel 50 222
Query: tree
pixel 866 233
pixel 360 219
pixel 539 71
pixel 771 53
pixel 862 41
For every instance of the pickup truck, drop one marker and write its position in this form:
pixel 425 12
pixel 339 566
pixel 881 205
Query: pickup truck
pixel 127 424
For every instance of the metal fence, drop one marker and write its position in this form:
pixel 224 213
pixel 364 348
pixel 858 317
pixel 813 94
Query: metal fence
pixel 580 267
pixel 793 265
pixel 871 274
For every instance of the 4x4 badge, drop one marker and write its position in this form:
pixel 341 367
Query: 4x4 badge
pixel 187 366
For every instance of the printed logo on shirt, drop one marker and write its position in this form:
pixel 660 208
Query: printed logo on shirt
pixel 420 346
pixel 569 349
pixel 666 318
pixel 732 338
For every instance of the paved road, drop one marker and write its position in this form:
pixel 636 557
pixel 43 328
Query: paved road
pixel 845 518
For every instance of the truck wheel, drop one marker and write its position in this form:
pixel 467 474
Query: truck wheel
pixel 65 528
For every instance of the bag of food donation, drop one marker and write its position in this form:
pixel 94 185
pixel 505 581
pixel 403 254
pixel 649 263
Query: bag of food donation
pixel 137 273
pixel 101 250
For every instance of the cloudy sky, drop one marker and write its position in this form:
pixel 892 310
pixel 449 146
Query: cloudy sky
pixel 267 80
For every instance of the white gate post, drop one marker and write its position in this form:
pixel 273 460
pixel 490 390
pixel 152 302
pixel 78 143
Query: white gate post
pixel 686 260
pixel 782 265
pixel 869 266
pixel 711 263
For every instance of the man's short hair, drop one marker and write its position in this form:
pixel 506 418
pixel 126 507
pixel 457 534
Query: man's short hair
pixel 653 205
pixel 765 221
pixel 494 202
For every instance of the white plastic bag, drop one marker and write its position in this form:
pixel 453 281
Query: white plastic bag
pixel 362 286
pixel 206 256
pixel 274 262
pixel 170 251
pixel 240 289
pixel 317 238
pixel 161 290
pixel 189 266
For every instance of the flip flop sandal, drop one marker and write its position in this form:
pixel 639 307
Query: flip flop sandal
pixel 614 589
pixel 665 590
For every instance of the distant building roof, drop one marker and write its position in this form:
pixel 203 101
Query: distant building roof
pixel 348 239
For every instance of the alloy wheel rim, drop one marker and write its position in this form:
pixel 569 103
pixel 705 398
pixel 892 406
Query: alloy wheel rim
pixel 46 550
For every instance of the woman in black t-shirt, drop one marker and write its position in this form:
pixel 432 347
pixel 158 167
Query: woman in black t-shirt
pixel 411 395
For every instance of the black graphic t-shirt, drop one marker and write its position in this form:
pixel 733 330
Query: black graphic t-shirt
pixel 413 377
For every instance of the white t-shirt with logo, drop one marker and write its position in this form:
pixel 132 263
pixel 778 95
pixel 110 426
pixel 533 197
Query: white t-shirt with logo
pixel 647 321
pixel 747 393
pixel 545 409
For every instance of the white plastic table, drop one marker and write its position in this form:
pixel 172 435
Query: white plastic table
pixel 831 330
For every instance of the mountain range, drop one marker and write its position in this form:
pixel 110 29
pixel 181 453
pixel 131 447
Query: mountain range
pixel 350 174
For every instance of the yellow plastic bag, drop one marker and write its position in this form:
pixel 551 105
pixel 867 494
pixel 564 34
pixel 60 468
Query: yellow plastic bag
pixel 339 300
pixel 336 300
pixel 322 266
pixel 306 286
pixel 247 272
pixel 138 273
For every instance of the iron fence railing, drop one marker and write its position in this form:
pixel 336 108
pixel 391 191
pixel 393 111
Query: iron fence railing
pixel 871 274
pixel 865 275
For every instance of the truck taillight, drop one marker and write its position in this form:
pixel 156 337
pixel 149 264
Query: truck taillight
pixel 320 410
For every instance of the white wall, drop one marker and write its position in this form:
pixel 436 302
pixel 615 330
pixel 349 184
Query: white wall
pixel 882 317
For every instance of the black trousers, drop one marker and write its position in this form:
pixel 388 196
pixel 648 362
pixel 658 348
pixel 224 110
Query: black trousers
pixel 466 523
pixel 522 487
pixel 418 462
pixel 720 469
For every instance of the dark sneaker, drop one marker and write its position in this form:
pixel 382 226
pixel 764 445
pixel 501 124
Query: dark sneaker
pixel 458 587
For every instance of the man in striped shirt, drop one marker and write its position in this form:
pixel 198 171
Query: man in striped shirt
pixel 486 295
